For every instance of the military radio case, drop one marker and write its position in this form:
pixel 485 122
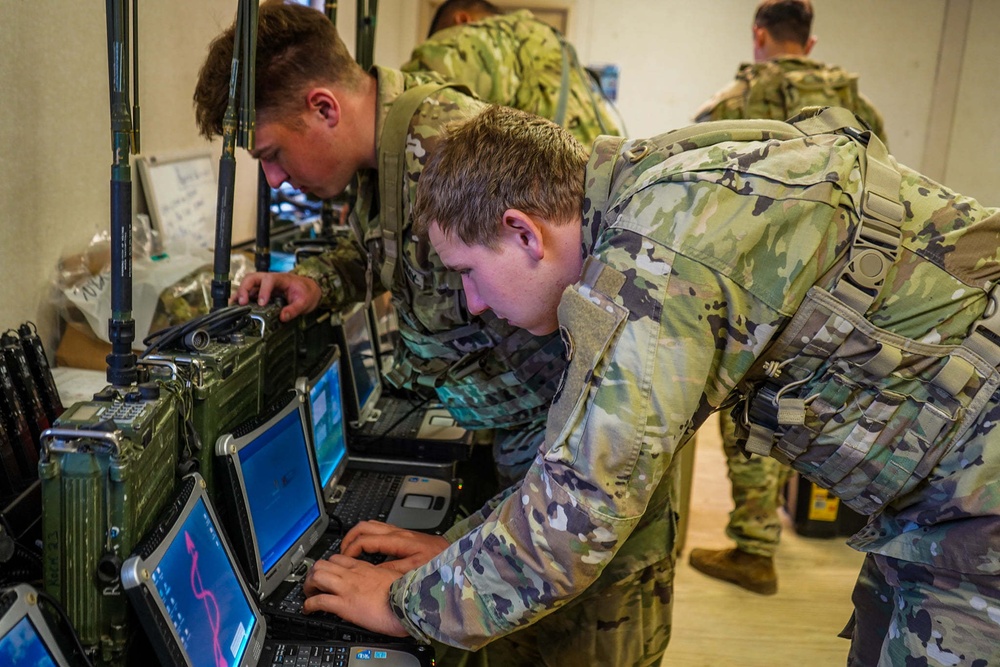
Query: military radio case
pixel 107 469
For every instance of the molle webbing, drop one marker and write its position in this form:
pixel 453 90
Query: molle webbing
pixel 859 410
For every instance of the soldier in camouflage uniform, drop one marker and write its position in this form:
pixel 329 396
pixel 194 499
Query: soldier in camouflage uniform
pixel 783 79
pixel 777 85
pixel 518 61
pixel 850 312
pixel 315 130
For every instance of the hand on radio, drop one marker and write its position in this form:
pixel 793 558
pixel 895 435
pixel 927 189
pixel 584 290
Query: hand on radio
pixel 301 293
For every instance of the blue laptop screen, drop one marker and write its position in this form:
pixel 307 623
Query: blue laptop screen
pixel 204 599
pixel 23 646
pixel 328 422
pixel 280 487
pixel 362 356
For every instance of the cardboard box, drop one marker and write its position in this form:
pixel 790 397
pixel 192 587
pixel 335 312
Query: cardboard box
pixel 81 350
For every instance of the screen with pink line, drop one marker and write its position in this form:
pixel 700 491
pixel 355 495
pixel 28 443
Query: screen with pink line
pixel 204 600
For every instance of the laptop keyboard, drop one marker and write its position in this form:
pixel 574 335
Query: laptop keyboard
pixel 400 418
pixel 295 598
pixel 287 654
pixel 369 496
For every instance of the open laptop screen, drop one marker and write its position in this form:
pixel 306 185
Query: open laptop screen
pixel 361 355
pixel 23 646
pixel 279 487
pixel 204 600
pixel 326 408
pixel 27 636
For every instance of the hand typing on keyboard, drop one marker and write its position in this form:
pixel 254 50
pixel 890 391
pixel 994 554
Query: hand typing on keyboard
pixel 358 591
pixel 408 549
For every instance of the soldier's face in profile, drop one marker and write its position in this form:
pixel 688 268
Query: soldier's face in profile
pixel 304 154
pixel 505 280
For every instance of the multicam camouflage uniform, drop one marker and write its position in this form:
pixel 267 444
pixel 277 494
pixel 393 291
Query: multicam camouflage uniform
pixel 516 60
pixel 724 241
pixel 488 373
pixel 775 89
pixel 779 88
pixel 758 486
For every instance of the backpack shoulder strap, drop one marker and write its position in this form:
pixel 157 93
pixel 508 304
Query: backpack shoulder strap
pixel 391 167
pixel 877 239
pixel 570 61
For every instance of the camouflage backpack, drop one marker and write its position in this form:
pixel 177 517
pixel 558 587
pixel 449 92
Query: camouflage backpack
pixel 774 91
pixel 857 409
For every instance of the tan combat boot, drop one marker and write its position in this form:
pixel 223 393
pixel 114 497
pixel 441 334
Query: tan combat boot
pixel 752 572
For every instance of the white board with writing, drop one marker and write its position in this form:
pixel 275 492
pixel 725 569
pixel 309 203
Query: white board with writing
pixel 181 193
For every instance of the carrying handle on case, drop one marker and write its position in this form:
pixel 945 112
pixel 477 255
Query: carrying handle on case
pixel 113 438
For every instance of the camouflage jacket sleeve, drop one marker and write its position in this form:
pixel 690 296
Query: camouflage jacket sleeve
pixel 339 272
pixel 481 56
pixel 611 437
pixel 477 518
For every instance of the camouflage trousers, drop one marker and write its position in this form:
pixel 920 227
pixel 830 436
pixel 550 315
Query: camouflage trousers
pixel 758 490
pixel 623 625
pixel 917 615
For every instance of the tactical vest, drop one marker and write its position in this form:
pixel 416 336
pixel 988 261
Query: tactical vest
pixel 774 92
pixel 859 410
pixel 506 376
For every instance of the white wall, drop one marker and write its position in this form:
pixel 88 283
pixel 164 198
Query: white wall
pixel 973 161
pixel 54 118
pixel 674 54
pixel 55 130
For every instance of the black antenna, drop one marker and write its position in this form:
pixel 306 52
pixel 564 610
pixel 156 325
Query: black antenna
pixel 237 127
pixel 328 212
pixel 136 149
pixel 121 326
pixel 365 47
pixel 262 253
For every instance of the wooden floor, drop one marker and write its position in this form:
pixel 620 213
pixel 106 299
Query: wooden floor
pixel 718 624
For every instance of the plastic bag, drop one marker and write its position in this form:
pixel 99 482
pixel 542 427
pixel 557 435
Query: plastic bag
pixel 167 288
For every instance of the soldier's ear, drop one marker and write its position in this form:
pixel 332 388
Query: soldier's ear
pixel 322 102
pixel 810 43
pixel 522 232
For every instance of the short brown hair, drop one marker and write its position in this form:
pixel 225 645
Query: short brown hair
pixel 297 47
pixel 786 20
pixel 500 159
pixel 446 12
